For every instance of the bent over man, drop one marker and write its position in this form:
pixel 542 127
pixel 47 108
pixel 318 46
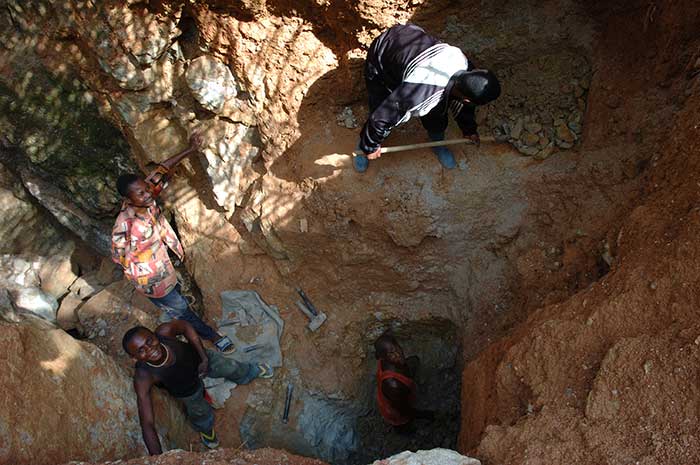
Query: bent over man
pixel 411 73
pixel 163 360
pixel 140 240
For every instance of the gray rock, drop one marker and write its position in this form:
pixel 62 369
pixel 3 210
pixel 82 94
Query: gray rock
pixel 526 150
pixel 565 138
pixel 92 231
pixel 132 107
pixel 58 273
pixel 517 129
pixel 428 457
pixel 211 83
pixel 7 311
pixel 576 127
pixel 36 301
pixel 544 153
pixel 127 75
pixel 500 132
pixel 86 286
pixel 67 317
pixel 144 35
pixel 346 118
pixel 533 127
pixel 530 139
pixel 564 145
pixel 229 149
pixel 108 272
pixel 19 271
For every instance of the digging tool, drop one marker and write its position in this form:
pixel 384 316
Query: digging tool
pixel 231 322
pixel 316 318
pixel 425 145
pixel 287 403
pixel 252 348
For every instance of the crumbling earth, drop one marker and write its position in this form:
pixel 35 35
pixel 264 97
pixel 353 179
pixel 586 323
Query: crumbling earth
pixel 561 257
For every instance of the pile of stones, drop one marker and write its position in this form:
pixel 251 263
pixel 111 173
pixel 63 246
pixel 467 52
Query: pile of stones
pixel 542 105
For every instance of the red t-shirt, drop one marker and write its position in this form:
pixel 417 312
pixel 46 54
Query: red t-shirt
pixel 391 414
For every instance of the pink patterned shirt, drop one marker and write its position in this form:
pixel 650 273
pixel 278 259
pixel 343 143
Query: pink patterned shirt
pixel 140 241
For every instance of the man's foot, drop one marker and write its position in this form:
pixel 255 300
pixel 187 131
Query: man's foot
pixel 447 160
pixel 225 345
pixel 445 157
pixel 209 439
pixel 360 163
pixel 266 371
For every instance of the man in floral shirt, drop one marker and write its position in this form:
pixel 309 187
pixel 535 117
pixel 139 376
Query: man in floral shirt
pixel 140 240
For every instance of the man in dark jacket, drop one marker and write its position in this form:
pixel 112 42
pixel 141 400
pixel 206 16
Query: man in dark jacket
pixel 163 360
pixel 410 73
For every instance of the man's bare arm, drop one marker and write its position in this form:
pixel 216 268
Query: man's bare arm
pixel 142 385
pixel 176 328
pixel 159 176
pixel 195 145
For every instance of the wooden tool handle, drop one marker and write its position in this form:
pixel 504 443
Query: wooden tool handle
pixel 425 145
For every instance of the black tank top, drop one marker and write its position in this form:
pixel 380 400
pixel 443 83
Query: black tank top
pixel 181 379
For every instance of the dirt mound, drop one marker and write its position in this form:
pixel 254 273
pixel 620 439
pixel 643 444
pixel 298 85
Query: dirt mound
pixel 66 400
pixel 610 375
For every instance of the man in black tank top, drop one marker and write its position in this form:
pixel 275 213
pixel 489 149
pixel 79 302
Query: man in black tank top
pixel 163 360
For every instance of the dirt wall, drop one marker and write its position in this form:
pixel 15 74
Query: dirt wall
pixel 272 202
pixel 609 375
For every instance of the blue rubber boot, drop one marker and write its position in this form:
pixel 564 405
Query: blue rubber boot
pixel 444 156
pixel 360 163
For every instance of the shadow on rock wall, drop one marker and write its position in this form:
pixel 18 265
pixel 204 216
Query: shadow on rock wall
pixel 66 400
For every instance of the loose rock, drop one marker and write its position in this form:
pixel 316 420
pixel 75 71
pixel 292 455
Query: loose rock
pixel 36 301
pixel 428 457
pixel 211 83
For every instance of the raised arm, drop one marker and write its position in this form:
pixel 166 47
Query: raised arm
pixel 160 175
pixel 195 145
pixel 142 385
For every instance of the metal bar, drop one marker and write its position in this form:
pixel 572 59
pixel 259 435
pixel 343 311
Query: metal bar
pixel 307 301
pixel 287 403
pixel 252 348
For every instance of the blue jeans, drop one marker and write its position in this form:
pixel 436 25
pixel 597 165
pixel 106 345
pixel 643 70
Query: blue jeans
pixel 199 412
pixel 176 307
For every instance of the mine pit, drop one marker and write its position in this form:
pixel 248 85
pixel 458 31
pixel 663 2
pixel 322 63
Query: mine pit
pixel 349 430
pixel 547 282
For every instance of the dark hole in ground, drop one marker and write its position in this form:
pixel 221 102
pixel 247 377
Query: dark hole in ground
pixel 350 431
pixel 436 344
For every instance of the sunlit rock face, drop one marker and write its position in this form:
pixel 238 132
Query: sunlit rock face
pixel 211 83
pixel 428 457
pixel 66 400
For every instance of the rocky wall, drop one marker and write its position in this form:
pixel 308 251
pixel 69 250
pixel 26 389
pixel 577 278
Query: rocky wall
pixel 272 202
pixel 66 400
